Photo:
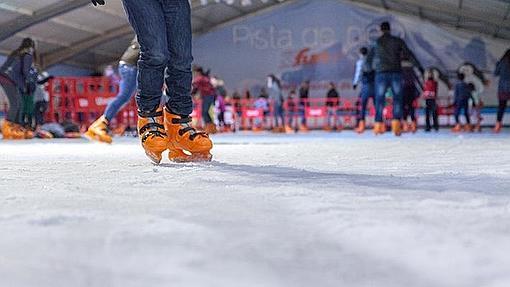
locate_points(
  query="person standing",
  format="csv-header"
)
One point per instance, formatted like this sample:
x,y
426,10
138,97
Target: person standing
x,y
304,97
332,103
14,79
163,28
274,88
202,85
366,76
462,94
430,95
503,71
411,87
99,129
388,55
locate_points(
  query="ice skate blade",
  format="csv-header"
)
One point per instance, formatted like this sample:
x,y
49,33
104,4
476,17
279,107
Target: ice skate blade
x,y
153,157
179,156
95,138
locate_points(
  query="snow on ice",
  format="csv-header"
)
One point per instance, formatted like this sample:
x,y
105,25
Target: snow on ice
x,y
308,210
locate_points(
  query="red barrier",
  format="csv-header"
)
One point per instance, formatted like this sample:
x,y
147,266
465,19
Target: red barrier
x,y
83,99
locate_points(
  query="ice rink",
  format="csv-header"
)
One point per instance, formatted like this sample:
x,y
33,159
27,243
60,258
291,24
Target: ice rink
x,y
305,210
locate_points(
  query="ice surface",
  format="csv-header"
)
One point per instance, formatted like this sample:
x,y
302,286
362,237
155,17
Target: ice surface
x,y
309,210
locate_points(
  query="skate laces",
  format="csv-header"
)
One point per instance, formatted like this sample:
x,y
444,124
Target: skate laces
x,y
185,123
152,128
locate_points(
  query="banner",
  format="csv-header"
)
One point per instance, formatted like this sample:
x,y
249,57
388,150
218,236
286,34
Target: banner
x,y
319,41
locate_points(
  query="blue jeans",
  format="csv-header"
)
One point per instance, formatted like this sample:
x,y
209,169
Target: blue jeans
x,y
367,92
278,113
459,106
126,90
163,28
383,81
207,103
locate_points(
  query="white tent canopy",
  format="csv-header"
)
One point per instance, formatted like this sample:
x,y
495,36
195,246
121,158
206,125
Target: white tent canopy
x,y
76,33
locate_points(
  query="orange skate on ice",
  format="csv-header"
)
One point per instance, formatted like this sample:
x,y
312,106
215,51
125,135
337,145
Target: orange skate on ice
x,y
184,143
98,131
152,133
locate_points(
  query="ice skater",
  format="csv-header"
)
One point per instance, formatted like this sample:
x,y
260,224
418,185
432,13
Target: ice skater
x,y
388,54
503,71
99,129
462,95
14,79
163,29
366,76
430,95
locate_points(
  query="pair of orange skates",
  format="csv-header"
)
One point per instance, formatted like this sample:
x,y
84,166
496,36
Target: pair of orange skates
x,y
163,131
12,131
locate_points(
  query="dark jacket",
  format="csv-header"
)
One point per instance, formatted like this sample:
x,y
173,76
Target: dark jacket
x,y
17,69
132,53
462,92
388,53
503,71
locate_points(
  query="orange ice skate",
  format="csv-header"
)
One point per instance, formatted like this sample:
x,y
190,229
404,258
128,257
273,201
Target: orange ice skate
x,y
12,131
184,143
152,133
361,127
396,127
497,128
98,131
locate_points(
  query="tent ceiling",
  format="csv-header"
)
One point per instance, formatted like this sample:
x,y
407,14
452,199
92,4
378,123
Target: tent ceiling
x,y
76,33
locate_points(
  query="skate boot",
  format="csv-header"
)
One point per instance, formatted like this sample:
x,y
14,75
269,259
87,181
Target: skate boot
x,y
361,127
12,131
379,128
414,127
98,131
184,143
468,128
497,128
406,127
457,128
152,133
396,127
210,128
289,129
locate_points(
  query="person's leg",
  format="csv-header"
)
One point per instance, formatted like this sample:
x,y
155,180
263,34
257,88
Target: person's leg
x,y
457,112
466,112
126,90
381,86
365,95
396,87
428,113
434,114
15,103
501,110
148,20
178,74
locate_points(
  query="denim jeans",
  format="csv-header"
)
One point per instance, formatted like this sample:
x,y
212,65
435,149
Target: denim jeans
x,y
383,81
126,90
501,110
462,105
431,110
367,92
163,28
278,114
207,104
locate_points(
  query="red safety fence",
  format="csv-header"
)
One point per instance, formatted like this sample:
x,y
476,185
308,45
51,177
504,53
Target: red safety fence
x,y
83,99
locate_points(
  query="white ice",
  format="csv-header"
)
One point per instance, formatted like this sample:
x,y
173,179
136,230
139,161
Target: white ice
x,y
309,210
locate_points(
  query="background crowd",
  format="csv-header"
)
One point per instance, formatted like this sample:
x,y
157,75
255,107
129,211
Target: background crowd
x,y
387,73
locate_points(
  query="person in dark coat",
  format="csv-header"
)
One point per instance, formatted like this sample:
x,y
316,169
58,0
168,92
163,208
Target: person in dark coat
x,y
503,71
14,79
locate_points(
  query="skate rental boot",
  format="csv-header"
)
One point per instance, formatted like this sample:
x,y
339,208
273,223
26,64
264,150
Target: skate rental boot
x,y
98,131
497,127
184,143
12,131
379,128
361,127
396,127
151,130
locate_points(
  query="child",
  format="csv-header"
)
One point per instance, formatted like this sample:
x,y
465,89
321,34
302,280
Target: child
x,y
261,104
332,101
462,96
430,96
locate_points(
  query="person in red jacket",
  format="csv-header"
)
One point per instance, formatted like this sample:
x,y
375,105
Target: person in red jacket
x,y
430,96
202,85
